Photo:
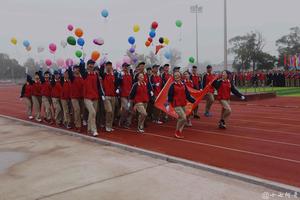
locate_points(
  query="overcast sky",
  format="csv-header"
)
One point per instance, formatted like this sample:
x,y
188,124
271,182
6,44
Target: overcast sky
x,y
44,21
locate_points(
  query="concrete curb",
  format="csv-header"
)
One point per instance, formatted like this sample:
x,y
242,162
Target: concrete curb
x,y
242,177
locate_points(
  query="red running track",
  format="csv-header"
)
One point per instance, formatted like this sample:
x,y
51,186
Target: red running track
x,y
262,139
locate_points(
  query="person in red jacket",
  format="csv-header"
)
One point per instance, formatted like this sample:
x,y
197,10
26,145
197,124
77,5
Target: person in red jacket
x,y
166,74
110,87
92,90
46,96
26,93
156,82
125,80
196,78
207,78
55,94
76,95
188,83
141,69
37,96
178,95
140,95
225,86
65,99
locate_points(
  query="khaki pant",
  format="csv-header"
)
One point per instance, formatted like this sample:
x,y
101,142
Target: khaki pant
x,y
182,119
209,101
126,116
109,106
141,109
226,109
46,101
92,107
28,103
36,101
57,110
77,110
66,111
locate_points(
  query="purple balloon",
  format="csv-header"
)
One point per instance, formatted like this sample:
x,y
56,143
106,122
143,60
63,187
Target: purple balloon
x,y
132,50
134,60
98,41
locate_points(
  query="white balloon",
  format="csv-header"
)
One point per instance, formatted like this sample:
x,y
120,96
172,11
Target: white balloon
x,y
40,49
63,43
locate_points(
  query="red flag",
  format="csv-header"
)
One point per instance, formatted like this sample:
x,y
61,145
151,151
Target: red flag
x,y
284,61
158,47
162,99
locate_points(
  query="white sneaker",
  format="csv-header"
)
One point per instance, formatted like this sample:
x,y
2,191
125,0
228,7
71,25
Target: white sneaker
x,y
84,123
141,131
39,120
95,134
30,117
158,122
109,130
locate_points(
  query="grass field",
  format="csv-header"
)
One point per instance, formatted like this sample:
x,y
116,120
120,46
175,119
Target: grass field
x,y
281,91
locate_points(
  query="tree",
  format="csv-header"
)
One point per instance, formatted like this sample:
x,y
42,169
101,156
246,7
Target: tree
x,y
246,49
10,68
289,44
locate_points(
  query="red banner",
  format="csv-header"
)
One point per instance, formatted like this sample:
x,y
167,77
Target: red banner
x,y
162,99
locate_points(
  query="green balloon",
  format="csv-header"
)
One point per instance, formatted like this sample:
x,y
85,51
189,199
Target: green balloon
x,y
78,53
71,40
178,23
192,60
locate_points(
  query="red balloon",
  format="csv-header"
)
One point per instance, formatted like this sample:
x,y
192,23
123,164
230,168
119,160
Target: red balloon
x,y
154,25
150,39
147,43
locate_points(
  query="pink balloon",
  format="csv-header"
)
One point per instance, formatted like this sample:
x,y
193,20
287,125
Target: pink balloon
x,y
52,47
127,60
70,27
118,65
48,62
69,62
60,62
98,41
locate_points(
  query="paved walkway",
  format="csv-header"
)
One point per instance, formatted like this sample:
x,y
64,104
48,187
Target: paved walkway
x,y
38,163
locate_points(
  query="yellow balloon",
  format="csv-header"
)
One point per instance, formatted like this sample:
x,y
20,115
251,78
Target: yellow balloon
x,y
136,28
13,41
166,41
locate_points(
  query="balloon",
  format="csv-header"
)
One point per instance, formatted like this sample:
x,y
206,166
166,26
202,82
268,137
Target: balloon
x,y
147,43
178,23
70,27
167,55
52,47
134,60
71,40
63,43
40,49
191,60
102,60
166,41
154,25
95,55
26,43
60,62
161,40
152,34
79,32
132,50
127,60
48,62
131,40
104,13
69,62
80,42
28,48
150,39
98,41
14,41
136,28
119,64
78,53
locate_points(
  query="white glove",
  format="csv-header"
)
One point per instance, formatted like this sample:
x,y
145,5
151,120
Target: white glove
x,y
118,91
152,94
122,73
157,84
128,105
103,98
168,108
243,98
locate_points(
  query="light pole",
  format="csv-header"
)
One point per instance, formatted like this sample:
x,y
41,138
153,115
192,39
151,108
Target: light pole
x,y
225,35
196,9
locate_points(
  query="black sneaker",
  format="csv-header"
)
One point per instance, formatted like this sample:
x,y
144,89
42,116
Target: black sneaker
x,y
222,124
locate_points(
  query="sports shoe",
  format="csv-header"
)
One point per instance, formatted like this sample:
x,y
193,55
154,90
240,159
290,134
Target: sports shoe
x,y
158,122
95,134
189,123
141,131
30,117
109,130
207,114
222,124
39,120
84,123
179,135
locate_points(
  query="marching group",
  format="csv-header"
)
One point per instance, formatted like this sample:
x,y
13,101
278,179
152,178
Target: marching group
x,y
92,96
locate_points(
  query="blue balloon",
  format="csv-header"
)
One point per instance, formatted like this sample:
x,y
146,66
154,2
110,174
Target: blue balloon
x,y
131,40
152,34
168,55
26,43
80,42
104,13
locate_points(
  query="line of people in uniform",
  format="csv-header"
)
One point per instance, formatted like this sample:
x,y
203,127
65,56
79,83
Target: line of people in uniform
x,y
92,96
